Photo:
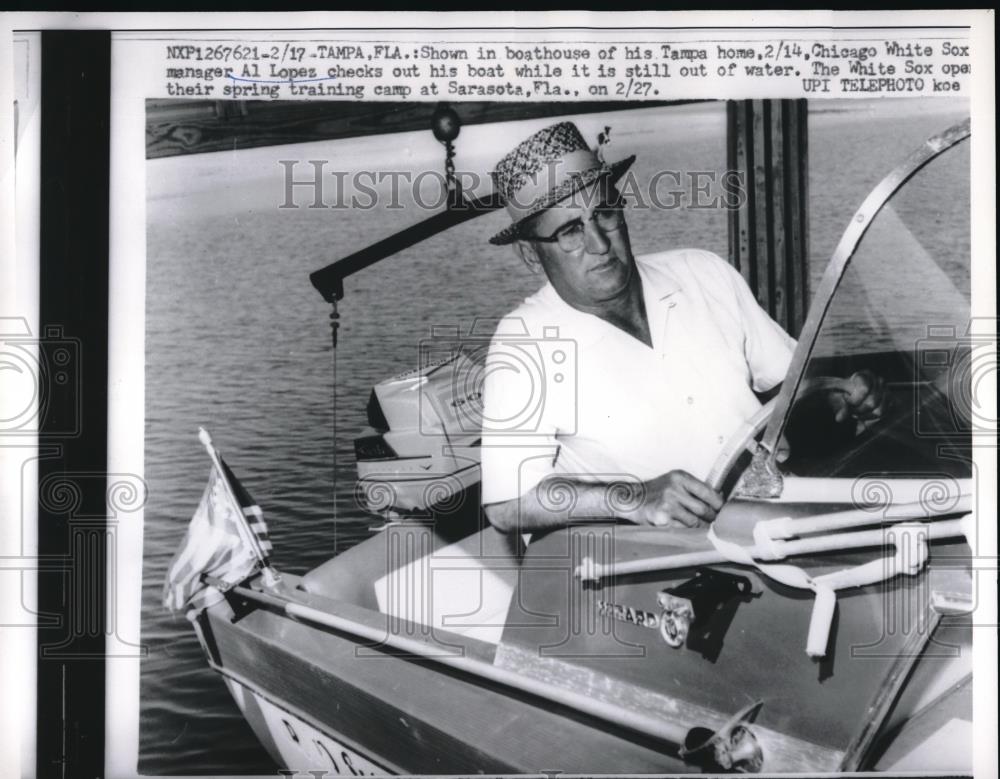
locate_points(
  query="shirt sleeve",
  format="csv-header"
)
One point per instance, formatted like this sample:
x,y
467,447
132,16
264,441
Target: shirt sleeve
x,y
519,446
767,347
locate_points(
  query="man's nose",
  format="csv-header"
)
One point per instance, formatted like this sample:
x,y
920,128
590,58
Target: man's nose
x,y
595,241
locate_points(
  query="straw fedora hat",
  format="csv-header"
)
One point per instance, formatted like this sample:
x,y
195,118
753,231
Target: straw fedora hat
x,y
548,167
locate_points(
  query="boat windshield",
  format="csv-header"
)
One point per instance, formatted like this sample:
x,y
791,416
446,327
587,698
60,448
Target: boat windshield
x,y
902,313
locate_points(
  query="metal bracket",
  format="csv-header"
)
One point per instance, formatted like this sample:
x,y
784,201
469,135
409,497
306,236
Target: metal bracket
x,y
220,584
761,479
698,612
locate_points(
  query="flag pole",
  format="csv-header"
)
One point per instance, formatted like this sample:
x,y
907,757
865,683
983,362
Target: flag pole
x,y
271,576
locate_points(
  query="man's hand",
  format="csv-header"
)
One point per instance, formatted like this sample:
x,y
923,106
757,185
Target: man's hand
x,y
676,499
864,401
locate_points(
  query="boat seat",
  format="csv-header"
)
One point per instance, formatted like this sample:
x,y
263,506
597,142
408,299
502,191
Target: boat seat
x,y
464,587
415,572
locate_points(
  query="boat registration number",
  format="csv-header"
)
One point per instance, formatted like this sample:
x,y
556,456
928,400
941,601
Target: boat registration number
x,y
306,750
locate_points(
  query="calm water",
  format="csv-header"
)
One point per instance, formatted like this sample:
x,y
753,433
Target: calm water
x,y
237,341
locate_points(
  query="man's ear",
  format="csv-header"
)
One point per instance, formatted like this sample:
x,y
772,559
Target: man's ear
x,y
529,255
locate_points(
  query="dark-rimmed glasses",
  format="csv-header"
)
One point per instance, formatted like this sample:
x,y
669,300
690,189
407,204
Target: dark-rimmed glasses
x,y
572,236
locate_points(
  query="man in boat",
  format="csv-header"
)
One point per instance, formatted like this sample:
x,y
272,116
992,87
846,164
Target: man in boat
x,y
642,366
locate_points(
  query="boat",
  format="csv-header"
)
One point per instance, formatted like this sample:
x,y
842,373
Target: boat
x,y
823,625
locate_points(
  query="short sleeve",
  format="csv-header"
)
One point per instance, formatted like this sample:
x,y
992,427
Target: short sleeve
x,y
767,347
519,446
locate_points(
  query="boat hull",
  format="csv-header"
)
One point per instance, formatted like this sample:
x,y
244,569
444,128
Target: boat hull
x,y
402,714
325,699
292,740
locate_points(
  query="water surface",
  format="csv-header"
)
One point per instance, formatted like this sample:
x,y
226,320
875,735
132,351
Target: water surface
x,y
237,339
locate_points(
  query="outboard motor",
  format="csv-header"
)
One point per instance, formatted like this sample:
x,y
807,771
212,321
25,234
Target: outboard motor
x,y
422,452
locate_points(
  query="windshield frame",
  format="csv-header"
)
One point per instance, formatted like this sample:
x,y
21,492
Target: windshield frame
x,y
768,479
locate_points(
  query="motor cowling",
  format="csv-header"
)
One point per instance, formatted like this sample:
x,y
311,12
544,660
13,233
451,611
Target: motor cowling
x,y
422,451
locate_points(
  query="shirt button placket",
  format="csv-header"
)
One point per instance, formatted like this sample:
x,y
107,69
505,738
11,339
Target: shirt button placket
x,y
665,330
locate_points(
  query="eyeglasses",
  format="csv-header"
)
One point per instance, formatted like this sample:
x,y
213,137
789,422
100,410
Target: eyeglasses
x,y
572,236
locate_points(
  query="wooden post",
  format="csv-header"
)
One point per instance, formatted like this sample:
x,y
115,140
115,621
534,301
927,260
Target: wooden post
x,y
767,144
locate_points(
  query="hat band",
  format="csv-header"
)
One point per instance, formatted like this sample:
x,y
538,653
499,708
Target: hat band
x,y
523,202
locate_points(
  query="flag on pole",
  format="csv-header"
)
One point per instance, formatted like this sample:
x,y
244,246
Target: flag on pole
x,y
227,539
250,510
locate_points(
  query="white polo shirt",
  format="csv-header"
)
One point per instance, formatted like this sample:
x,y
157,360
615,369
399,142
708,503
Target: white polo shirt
x,y
567,393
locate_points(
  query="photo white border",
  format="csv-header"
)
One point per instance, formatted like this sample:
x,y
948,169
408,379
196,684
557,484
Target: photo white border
x,y
19,301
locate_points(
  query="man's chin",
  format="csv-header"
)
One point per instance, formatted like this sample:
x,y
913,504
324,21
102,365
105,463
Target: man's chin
x,y
613,277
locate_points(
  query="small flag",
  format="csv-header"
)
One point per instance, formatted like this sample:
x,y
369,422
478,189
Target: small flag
x,y
250,510
217,544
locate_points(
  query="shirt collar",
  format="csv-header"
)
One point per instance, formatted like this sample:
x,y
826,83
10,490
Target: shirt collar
x,y
660,293
658,281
